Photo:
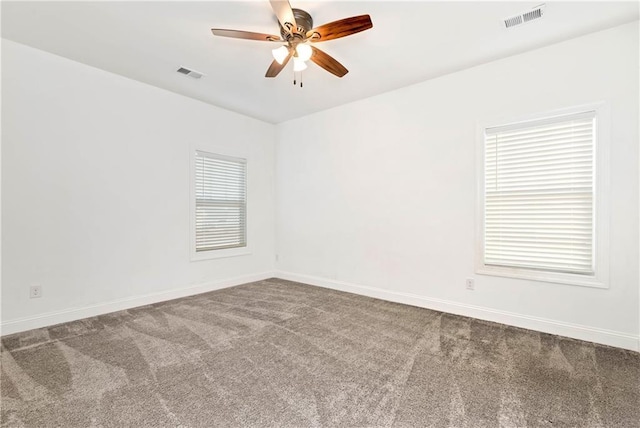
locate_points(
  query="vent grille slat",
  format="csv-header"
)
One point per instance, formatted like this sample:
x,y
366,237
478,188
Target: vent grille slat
x,y
532,15
515,20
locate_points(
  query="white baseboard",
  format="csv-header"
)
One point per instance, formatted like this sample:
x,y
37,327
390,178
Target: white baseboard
x,y
576,331
73,314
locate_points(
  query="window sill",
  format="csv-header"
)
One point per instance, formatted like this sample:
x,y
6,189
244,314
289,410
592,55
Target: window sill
x,y
552,277
220,254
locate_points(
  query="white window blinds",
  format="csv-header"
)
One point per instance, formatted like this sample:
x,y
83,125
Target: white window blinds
x,y
221,205
539,195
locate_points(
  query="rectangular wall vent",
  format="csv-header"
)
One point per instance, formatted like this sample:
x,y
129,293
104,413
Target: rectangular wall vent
x,y
522,18
190,73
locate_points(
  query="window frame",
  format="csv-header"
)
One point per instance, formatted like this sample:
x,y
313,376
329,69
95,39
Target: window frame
x,y
600,279
222,252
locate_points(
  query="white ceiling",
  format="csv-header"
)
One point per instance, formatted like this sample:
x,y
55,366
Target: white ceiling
x,y
410,42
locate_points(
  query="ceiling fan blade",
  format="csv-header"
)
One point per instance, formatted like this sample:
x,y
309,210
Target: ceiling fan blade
x,y
275,68
327,62
340,28
247,35
283,11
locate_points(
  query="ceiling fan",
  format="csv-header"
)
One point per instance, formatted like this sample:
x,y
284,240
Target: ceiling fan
x,y
299,36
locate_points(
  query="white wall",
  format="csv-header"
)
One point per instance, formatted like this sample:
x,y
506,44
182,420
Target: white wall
x,y
378,196
95,190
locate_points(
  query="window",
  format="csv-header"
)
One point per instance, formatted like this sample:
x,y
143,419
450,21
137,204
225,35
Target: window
x,y
539,200
220,202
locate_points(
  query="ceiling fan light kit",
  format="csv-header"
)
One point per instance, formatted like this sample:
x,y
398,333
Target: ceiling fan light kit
x,y
298,35
279,54
304,51
299,64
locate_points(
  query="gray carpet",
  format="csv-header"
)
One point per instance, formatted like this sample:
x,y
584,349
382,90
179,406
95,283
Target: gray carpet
x,y
278,353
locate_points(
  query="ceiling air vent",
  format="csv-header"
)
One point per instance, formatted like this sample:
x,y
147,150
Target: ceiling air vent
x,y
525,17
190,73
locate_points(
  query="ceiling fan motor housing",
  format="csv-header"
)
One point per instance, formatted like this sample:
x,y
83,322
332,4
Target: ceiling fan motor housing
x,y
304,23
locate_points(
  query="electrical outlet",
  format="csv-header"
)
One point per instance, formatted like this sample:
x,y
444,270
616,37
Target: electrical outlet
x,y
470,284
35,291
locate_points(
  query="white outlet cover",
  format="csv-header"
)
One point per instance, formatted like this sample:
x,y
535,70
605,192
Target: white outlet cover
x,y
35,291
470,284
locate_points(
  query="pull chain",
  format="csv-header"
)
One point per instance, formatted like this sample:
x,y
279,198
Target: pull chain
x,y
295,81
